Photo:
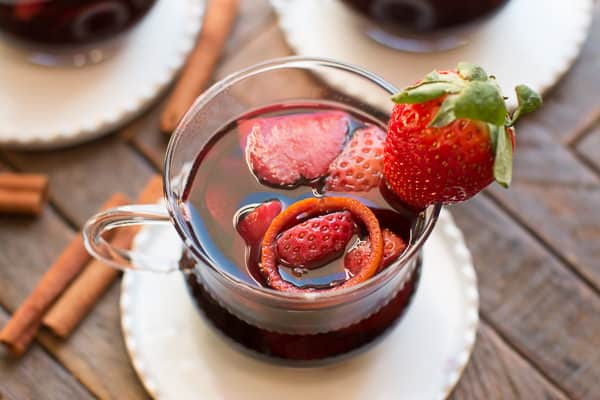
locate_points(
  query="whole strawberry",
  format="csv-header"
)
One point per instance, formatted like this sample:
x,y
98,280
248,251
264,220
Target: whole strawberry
x,y
450,136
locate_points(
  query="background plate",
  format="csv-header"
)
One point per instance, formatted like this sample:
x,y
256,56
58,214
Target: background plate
x,y
527,41
51,107
177,355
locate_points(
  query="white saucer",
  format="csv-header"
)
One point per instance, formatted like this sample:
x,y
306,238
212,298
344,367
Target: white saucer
x,y
44,107
178,356
527,41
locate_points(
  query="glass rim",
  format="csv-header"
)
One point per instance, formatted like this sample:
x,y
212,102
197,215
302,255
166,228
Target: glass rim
x,y
173,201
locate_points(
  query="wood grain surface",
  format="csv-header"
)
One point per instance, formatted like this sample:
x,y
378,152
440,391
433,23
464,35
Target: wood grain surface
x,y
589,148
36,376
536,247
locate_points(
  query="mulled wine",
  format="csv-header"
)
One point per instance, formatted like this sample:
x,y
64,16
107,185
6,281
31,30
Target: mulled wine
x,y
425,15
67,22
313,347
263,165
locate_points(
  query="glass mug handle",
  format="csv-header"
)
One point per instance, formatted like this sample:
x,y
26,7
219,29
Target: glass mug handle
x,y
124,217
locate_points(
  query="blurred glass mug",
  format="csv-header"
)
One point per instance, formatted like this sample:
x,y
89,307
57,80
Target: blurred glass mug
x,y
67,32
423,25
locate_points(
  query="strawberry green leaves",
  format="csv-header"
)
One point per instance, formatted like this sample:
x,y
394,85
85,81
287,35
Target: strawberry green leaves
x,y
471,72
432,86
472,94
478,100
503,154
445,114
425,91
481,101
528,101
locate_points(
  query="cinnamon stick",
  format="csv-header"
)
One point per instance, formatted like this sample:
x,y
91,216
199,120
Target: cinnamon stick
x,y
22,327
23,182
22,203
152,192
72,307
217,23
22,193
74,304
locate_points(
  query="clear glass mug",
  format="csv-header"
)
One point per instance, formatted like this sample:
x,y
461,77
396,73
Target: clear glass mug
x,y
289,313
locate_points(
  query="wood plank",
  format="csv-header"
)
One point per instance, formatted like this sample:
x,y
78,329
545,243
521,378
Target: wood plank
x,y
541,160
555,195
496,372
253,16
574,103
267,44
536,303
589,147
144,133
565,217
36,376
95,354
83,177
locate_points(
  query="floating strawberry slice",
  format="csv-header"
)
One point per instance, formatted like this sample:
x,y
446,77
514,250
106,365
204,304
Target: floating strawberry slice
x,y
253,225
360,165
284,150
357,258
316,240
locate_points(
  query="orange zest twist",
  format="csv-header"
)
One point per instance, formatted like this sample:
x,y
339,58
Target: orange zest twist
x,y
317,206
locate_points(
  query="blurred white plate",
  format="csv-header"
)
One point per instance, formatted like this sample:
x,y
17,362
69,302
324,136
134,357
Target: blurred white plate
x,y
177,355
52,107
527,41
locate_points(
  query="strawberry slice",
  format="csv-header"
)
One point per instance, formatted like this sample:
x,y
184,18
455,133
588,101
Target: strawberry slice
x,y
285,150
253,225
360,165
316,240
393,246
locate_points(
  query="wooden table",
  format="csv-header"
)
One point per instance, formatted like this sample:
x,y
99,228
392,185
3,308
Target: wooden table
x,y
536,247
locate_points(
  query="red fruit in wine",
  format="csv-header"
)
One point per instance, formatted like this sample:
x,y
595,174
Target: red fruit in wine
x,y
253,225
285,150
360,165
357,258
316,240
